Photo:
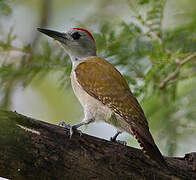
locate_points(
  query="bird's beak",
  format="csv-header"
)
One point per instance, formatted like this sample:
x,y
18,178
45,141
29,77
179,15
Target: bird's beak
x,y
53,34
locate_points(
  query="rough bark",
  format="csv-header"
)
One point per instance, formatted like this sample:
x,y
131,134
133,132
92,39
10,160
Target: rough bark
x,y
32,149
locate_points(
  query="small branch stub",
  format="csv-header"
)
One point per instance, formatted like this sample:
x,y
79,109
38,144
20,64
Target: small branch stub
x,y
177,71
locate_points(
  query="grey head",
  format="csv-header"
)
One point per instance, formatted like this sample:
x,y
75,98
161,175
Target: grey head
x,y
78,42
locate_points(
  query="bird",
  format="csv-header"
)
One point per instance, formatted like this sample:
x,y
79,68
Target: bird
x,y
103,92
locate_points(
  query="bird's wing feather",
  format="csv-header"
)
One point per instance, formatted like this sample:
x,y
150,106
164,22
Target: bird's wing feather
x,y
104,82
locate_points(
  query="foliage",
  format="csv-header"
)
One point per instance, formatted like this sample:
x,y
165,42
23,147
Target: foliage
x,y
152,59
5,9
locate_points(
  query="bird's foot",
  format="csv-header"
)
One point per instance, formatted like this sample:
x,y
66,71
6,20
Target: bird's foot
x,y
72,129
113,139
121,142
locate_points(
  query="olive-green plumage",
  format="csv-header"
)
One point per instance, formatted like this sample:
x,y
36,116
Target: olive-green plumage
x,y
104,82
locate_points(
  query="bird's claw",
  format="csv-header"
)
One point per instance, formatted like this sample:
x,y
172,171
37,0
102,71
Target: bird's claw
x,y
72,129
113,139
62,123
121,142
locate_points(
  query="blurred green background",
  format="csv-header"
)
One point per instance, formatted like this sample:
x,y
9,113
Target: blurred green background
x,y
152,43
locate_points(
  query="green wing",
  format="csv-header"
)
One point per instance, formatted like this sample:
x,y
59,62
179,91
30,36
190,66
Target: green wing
x,y
103,81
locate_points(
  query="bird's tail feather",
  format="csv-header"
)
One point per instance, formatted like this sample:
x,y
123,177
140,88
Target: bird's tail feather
x,y
148,146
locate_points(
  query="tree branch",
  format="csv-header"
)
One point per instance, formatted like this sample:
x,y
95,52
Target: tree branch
x,y
32,149
176,72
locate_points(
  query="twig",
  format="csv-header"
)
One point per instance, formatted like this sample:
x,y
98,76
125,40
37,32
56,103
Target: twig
x,y
168,78
176,72
46,9
144,24
14,48
189,58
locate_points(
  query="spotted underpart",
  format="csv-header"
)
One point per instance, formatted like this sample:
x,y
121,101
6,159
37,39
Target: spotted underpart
x,y
105,83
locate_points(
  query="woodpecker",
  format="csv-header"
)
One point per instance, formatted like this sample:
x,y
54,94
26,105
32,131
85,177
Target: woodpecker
x,y
103,92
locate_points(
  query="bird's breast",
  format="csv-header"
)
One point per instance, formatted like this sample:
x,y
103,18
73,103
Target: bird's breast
x,y
94,108
91,105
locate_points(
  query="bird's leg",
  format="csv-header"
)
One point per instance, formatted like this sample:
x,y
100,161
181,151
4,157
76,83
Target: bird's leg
x,y
113,139
72,128
75,127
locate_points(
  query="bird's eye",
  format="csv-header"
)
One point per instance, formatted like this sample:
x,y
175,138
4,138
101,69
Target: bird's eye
x,y
76,35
